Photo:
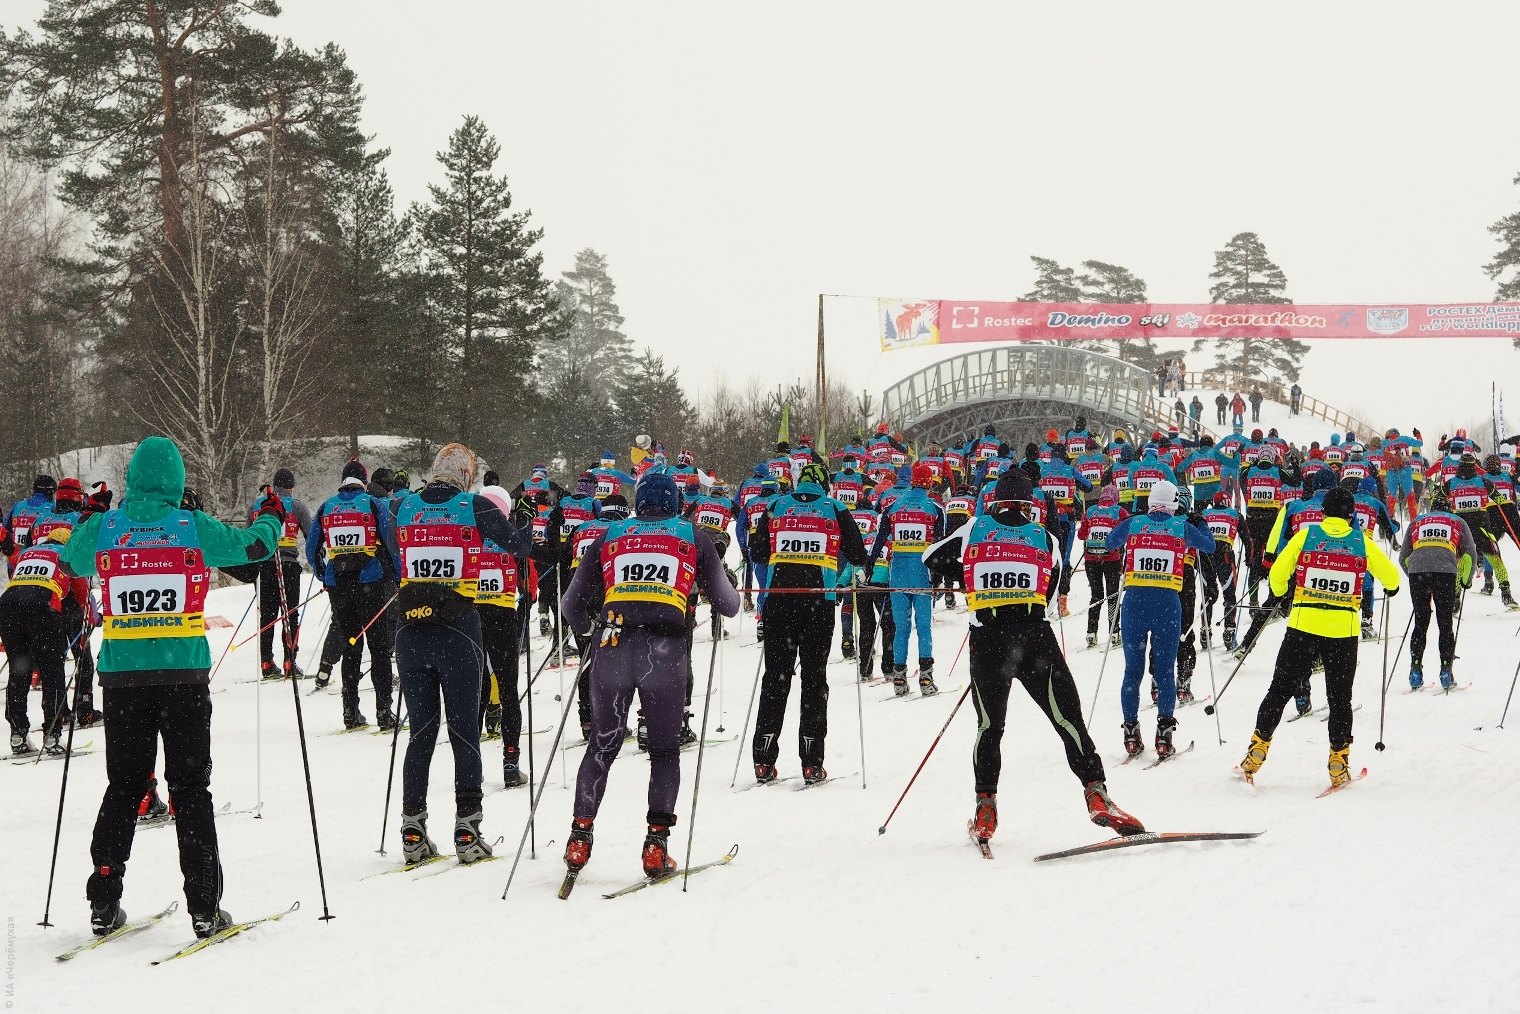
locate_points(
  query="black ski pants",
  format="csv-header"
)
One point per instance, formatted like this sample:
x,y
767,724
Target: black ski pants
x,y
798,629
353,606
34,638
1296,658
136,717
269,608
1439,591
500,628
1026,651
873,610
1103,578
441,662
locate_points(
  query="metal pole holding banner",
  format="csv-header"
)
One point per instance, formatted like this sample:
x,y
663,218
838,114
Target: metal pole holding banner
x,y
821,442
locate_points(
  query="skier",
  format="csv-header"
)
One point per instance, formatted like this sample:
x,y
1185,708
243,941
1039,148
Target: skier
x,y
1008,564
870,600
65,513
497,598
1470,494
155,561
346,547
1103,567
1219,570
1155,545
609,479
20,518
1437,555
803,540
614,509
37,631
1324,566
643,570
909,525
1146,473
285,566
439,533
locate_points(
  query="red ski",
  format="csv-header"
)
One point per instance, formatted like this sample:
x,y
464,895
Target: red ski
x,y
984,846
1336,788
1150,838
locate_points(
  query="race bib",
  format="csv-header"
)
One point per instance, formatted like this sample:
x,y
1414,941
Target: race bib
x,y
433,563
647,568
1464,502
345,539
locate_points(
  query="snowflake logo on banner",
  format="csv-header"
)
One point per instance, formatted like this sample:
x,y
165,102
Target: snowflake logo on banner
x,y
1188,320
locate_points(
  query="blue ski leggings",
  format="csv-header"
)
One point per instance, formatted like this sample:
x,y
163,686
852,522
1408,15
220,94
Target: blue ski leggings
x,y
441,660
917,607
1153,613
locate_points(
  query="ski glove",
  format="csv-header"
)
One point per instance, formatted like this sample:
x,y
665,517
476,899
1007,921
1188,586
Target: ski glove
x,y
272,505
100,500
1390,592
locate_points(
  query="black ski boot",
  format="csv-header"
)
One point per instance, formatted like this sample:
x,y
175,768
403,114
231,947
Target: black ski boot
x,y
106,917
353,718
643,733
687,735
658,863
511,774
493,719
1164,729
847,646
209,925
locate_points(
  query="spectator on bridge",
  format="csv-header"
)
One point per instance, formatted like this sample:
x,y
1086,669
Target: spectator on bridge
x,y
1195,412
1221,402
1174,376
1180,408
1237,411
1295,398
1161,379
1255,403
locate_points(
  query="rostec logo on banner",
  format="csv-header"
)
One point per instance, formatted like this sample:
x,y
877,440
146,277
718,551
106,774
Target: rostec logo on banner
x,y
963,316
1387,320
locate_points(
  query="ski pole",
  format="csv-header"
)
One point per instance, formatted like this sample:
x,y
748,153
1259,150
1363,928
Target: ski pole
x,y
696,782
860,710
1511,695
1108,645
1218,729
285,613
747,712
542,785
248,609
1456,634
964,695
63,788
1388,679
1212,706
522,629
311,800
378,613
559,644
390,778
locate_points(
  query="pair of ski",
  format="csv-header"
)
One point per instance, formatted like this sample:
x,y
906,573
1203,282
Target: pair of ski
x,y
38,756
1160,759
1122,842
225,810
568,884
1324,711
134,928
442,857
1251,781
1439,690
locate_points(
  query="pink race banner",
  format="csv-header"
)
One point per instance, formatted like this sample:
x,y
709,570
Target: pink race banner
x,y
907,323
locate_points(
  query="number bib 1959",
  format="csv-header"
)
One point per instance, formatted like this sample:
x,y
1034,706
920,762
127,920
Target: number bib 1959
x,y
1329,579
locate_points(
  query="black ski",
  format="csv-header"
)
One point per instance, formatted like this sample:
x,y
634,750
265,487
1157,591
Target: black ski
x,y
1149,838
677,875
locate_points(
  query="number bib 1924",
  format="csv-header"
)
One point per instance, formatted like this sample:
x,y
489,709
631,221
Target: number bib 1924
x,y
652,567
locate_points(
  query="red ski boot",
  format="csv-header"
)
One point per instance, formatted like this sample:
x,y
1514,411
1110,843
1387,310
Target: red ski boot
x,y
657,861
984,824
1102,811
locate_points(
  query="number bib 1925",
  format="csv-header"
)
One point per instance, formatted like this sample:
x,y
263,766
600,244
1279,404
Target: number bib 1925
x,y
441,553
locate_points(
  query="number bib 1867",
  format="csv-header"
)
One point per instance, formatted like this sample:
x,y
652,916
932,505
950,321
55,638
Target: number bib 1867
x,y
1153,561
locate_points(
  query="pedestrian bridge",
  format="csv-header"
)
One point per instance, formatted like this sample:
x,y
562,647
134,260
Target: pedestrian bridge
x,y
1024,390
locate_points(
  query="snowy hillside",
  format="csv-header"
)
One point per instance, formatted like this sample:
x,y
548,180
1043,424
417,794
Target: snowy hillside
x,y
1393,895
1300,429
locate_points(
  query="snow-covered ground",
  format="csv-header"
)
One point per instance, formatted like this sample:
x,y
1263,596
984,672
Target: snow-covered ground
x,y
1394,895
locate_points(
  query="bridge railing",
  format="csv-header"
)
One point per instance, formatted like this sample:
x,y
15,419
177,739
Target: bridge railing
x,y
1216,380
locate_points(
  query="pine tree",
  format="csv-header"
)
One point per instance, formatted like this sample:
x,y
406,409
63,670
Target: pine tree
x,y
650,400
595,342
1110,283
1244,274
1053,283
488,293
1505,267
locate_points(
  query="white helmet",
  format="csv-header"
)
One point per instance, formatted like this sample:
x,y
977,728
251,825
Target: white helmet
x,y
1164,497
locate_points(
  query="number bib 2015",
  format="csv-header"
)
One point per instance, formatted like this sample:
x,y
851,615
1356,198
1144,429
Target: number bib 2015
x,y
806,539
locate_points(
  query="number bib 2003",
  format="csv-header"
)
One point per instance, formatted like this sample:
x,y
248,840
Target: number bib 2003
x,y
649,566
153,577
1007,572
1153,560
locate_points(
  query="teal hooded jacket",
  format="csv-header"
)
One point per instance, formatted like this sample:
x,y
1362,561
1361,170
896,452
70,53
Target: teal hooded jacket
x,y
155,487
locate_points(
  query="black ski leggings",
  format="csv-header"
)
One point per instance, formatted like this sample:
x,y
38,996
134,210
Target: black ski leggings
x,y
34,639
441,660
353,606
1103,586
1219,576
875,610
269,608
1027,652
1291,674
135,719
798,629
500,629
1441,591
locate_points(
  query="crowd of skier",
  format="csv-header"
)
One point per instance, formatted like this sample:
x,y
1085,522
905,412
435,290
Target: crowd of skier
x,y
438,584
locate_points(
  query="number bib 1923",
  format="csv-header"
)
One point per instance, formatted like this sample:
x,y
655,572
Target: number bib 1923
x,y
153,592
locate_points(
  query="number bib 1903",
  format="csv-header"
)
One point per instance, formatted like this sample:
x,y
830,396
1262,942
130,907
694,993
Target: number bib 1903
x,y
1006,574
1153,560
1329,579
649,567
157,591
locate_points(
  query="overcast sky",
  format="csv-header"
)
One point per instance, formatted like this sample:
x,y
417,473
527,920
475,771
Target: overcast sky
x,y
734,160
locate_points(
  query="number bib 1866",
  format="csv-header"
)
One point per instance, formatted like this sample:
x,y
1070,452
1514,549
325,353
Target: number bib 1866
x,y
1006,574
